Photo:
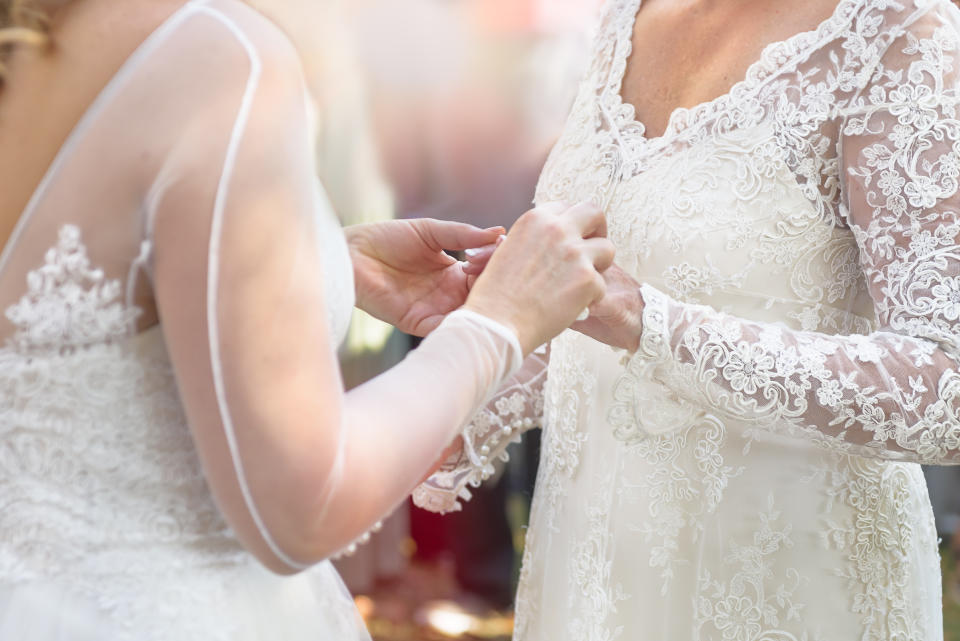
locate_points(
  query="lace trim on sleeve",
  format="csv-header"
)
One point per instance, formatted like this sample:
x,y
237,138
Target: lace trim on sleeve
x,y
515,409
893,393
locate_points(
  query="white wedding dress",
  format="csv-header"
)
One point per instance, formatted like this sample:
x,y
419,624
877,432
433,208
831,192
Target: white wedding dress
x,y
188,193
749,474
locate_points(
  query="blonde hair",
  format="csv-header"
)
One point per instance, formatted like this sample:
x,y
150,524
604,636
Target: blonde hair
x,y
22,23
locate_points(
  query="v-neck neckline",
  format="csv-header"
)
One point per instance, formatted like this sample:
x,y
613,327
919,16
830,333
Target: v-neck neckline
x,y
774,58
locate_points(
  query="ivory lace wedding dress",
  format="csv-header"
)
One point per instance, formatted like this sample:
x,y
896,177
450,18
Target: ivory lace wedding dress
x,y
188,192
750,472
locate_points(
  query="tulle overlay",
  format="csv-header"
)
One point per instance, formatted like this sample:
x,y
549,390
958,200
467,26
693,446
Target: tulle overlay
x,y
174,295
108,527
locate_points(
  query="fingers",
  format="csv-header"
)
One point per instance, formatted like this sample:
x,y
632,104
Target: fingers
x,y
480,254
588,219
599,288
600,251
478,257
445,234
475,268
471,269
428,325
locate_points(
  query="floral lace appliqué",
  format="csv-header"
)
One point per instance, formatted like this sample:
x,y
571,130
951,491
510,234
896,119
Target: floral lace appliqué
x,y
69,303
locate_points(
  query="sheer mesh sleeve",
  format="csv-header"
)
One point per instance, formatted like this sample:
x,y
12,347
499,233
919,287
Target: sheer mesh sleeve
x,y
245,267
892,394
516,408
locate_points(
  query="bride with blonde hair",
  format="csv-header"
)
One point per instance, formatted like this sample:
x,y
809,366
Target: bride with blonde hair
x,y
178,455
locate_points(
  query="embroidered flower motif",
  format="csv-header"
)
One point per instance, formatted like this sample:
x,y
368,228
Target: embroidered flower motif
x,y
103,491
737,618
902,136
68,303
923,243
749,368
683,279
914,104
950,165
829,394
897,204
923,191
947,293
891,182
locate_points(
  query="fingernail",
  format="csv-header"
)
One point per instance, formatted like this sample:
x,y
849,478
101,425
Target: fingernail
x,y
472,253
495,228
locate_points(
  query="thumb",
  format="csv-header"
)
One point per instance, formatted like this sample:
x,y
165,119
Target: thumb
x,y
445,234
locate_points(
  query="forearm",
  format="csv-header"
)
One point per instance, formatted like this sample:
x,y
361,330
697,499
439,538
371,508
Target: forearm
x,y
397,425
883,395
516,408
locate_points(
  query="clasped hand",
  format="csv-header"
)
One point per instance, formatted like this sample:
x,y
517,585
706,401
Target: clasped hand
x,y
617,318
404,277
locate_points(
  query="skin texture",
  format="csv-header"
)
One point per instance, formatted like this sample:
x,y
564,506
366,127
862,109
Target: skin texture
x,y
686,52
47,91
403,276
616,319
570,248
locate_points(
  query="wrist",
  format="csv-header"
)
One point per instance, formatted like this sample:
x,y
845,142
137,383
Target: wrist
x,y
515,352
635,326
357,248
498,315
359,290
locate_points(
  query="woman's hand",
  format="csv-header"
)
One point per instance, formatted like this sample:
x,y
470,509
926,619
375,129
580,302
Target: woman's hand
x,y
546,272
617,318
403,276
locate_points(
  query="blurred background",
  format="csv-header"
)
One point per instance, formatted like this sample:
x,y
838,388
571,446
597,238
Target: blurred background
x,y
447,109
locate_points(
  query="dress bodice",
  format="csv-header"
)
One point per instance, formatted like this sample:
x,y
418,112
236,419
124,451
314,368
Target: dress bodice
x,y
737,205
99,463
103,491
108,528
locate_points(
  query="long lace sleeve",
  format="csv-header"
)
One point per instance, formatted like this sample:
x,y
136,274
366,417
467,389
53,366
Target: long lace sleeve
x,y
894,393
248,264
517,407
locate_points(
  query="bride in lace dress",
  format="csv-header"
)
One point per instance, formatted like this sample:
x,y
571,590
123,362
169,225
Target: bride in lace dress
x,y
739,461
175,285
